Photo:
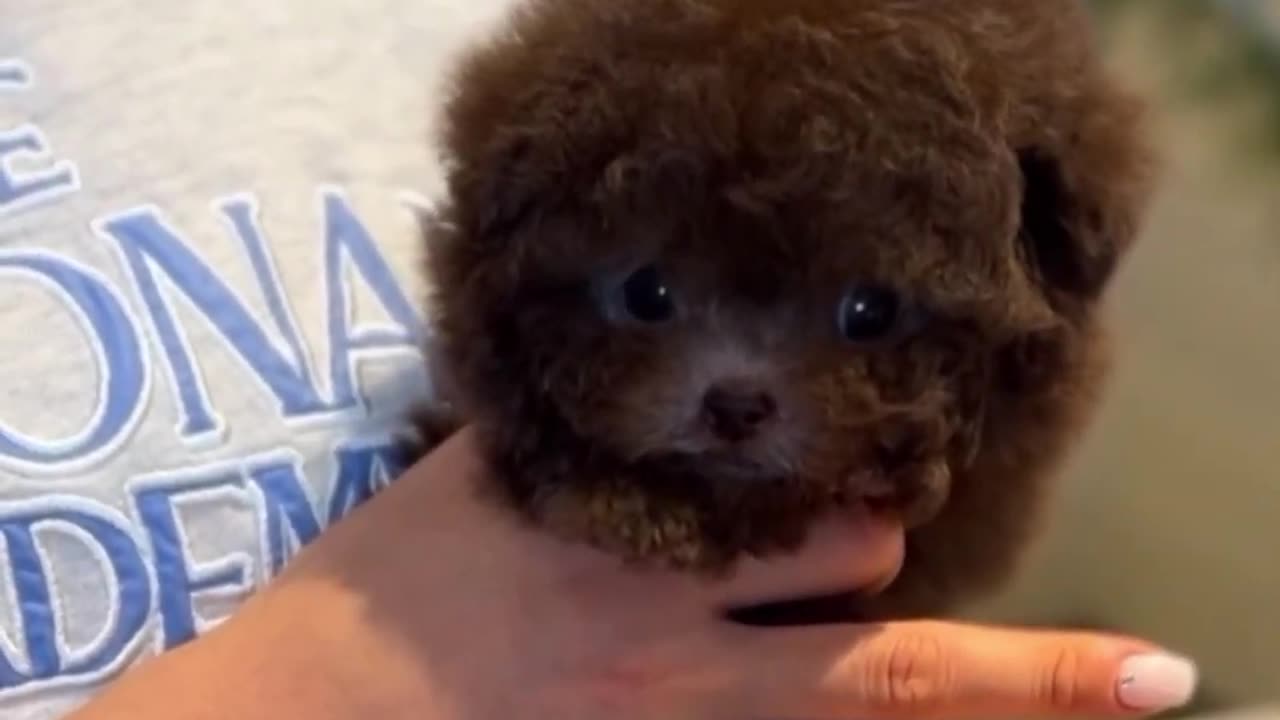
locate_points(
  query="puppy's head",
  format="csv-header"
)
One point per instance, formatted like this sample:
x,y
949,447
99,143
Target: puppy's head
x,y
850,247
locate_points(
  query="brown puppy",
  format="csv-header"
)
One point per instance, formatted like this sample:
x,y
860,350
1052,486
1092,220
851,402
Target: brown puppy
x,y
709,269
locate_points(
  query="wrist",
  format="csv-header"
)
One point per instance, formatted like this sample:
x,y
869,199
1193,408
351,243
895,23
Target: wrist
x,y
312,646
296,651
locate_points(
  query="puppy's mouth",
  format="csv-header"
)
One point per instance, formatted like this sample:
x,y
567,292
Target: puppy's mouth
x,y
914,494
738,466
744,464
762,458
912,489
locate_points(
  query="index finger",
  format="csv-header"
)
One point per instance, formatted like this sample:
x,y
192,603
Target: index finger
x,y
1004,671
856,552
929,669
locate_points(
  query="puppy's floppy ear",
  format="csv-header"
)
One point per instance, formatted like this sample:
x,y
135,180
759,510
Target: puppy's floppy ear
x,y
1084,194
502,194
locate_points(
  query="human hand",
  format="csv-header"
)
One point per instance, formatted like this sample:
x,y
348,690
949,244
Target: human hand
x,y
429,603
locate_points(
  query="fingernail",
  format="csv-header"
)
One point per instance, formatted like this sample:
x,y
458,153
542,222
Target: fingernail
x,y
1157,682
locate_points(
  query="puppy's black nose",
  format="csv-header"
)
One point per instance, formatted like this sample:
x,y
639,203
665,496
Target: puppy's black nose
x,y
736,411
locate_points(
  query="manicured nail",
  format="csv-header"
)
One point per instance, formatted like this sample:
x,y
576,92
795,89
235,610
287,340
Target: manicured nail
x,y
1157,682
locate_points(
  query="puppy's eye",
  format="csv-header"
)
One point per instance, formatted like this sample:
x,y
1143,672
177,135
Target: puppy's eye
x,y
869,313
647,297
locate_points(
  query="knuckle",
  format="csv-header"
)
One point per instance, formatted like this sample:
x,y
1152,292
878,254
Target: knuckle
x,y
613,686
1058,686
911,673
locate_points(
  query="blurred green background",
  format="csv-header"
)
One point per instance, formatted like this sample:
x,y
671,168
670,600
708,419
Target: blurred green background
x,y
1169,524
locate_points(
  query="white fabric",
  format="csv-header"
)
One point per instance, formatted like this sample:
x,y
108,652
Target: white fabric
x,y
209,304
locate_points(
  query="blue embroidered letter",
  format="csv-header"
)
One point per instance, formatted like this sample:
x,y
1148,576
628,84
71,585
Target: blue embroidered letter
x,y
121,365
290,517
178,581
21,527
148,242
19,190
346,237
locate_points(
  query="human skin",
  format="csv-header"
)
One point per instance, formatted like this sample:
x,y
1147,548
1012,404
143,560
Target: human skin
x,y
429,603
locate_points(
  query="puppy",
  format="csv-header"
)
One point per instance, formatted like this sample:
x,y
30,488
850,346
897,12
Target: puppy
x,y
709,270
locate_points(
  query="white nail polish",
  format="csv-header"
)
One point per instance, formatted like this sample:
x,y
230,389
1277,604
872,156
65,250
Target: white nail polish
x,y
1157,682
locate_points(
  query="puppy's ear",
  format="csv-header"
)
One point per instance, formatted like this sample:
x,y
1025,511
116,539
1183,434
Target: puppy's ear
x,y
503,194
1083,201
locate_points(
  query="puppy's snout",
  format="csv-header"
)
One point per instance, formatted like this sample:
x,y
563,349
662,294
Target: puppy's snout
x,y
737,410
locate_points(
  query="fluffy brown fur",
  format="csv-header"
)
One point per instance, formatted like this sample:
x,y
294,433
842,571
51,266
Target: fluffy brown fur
x,y
708,269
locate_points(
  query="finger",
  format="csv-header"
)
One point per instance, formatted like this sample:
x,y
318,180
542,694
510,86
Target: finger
x,y
940,670
850,553
1055,672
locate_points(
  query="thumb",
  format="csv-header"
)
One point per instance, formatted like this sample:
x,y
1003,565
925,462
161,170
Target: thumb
x,y
942,670
850,553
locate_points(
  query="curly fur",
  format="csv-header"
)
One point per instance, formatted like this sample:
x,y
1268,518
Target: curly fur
x,y
971,154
